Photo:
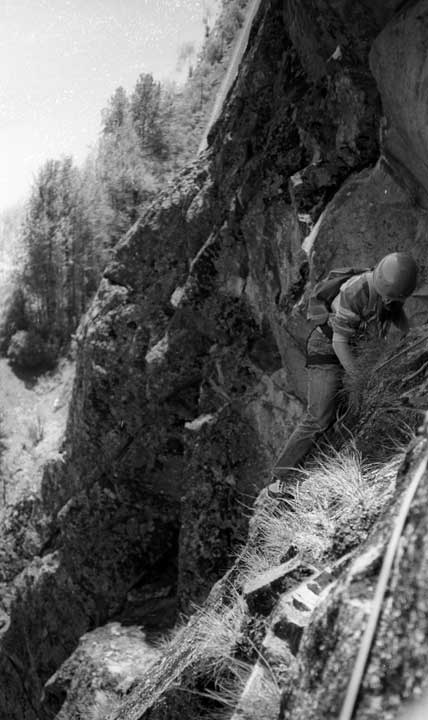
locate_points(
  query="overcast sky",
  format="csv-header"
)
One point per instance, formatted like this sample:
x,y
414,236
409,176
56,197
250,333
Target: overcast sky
x,y
61,60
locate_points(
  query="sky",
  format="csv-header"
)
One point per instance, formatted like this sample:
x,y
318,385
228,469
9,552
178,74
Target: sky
x,y
61,61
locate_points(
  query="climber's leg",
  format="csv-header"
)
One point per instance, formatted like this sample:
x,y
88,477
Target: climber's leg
x,y
323,386
324,383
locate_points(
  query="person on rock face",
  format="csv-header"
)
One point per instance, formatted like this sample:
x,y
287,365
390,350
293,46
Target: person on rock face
x,y
370,300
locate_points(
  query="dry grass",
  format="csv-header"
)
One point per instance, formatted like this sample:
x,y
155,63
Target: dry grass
x,y
232,694
217,633
381,397
336,490
200,656
342,485
172,637
372,352
211,635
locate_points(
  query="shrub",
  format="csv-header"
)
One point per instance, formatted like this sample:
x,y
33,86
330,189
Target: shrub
x,y
14,317
214,51
28,351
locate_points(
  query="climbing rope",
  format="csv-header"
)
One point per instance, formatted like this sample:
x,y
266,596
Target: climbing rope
x,y
367,639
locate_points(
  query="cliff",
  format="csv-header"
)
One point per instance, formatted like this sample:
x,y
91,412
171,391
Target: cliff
x,y
190,375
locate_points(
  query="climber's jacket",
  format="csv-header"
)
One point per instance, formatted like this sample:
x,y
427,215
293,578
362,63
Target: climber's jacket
x,y
356,311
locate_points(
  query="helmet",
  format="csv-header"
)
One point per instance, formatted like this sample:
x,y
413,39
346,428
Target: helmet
x,y
394,277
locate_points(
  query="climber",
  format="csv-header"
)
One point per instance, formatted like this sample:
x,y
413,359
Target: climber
x,y
366,302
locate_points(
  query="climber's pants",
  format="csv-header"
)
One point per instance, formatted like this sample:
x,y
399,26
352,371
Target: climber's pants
x,y
324,383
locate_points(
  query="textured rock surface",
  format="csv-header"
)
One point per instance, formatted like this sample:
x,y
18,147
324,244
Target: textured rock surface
x,y
314,630
189,371
398,60
104,665
399,658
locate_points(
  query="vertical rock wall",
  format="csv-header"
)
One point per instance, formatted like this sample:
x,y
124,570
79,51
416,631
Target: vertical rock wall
x,y
165,345
398,62
190,366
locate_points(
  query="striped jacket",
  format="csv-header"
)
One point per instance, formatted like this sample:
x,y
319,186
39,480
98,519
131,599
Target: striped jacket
x,y
358,305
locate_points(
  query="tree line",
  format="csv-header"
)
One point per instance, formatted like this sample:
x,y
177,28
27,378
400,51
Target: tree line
x,y
75,215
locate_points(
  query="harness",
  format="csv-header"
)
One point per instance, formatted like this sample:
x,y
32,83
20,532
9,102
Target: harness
x,y
327,358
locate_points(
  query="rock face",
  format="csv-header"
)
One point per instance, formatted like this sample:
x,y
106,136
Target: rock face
x,y
190,362
398,64
112,657
398,661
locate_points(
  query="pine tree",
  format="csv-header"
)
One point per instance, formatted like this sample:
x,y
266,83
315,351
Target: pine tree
x,y
57,235
114,116
150,115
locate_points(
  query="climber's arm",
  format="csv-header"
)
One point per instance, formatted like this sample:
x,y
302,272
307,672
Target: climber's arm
x,y
344,353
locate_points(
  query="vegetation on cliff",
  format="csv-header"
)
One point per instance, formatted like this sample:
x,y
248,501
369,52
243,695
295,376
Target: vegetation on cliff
x,y
75,216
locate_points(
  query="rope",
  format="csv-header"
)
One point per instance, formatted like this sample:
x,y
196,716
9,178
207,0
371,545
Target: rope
x,y
367,640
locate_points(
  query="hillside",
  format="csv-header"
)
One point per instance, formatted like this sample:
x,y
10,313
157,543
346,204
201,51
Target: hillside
x,y
33,419
190,374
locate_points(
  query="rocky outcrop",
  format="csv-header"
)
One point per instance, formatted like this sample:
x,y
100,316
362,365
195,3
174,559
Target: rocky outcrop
x,y
107,661
189,371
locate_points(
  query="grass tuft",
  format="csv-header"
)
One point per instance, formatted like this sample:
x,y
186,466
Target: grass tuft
x,y
217,633
385,394
337,490
210,636
230,695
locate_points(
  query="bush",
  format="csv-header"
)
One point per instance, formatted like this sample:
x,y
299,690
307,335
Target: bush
x,y
28,351
13,317
214,51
